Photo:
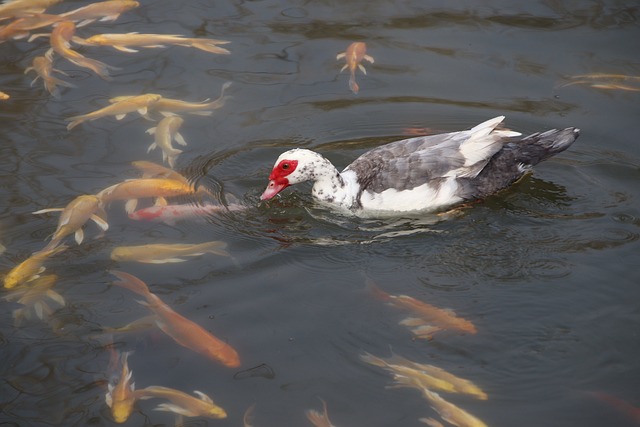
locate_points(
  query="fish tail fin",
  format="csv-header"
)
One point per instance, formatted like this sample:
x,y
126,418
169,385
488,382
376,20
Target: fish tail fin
x,y
353,85
210,46
373,360
131,282
74,121
375,290
219,102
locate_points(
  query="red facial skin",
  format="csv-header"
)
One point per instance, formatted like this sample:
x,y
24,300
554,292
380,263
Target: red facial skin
x,y
278,179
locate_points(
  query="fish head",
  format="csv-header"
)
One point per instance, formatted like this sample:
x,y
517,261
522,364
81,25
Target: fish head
x,y
217,412
121,410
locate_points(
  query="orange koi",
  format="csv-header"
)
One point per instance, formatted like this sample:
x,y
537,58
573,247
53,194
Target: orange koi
x,y
43,66
182,330
123,42
134,189
122,397
354,55
182,403
103,11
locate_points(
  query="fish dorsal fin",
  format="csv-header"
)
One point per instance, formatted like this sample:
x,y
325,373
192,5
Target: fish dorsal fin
x,y
203,396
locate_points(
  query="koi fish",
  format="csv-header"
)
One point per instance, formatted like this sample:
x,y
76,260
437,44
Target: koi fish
x,y
182,330
4,96
319,419
165,133
21,27
183,403
73,217
169,214
154,170
624,407
36,298
13,8
139,103
123,42
30,268
450,412
103,11
606,81
429,376
122,397
247,419
59,39
163,253
43,66
430,319
431,422
168,106
354,55
134,189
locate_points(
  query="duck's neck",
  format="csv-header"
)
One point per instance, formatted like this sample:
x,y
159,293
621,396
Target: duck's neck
x,y
329,185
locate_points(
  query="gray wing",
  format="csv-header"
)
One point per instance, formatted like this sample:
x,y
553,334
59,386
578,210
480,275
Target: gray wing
x,y
412,162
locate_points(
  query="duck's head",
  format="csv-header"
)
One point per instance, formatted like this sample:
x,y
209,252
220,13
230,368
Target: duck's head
x,y
292,167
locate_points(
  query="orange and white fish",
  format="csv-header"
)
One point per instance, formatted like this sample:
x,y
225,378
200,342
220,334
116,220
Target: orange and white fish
x,y
122,397
164,134
183,403
73,217
43,66
169,214
123,42
319,419
354,55
35,298
182,330
429,319
103,11
133,189
168,106
30,268
159,253
14,8
139,103
59,39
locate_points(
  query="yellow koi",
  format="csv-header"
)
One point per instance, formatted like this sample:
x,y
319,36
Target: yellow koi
x,y
4,96
319,419
122,397
182,330
21,27
163,253
353,56
36,298
43,66
450,412
59,39
13,8
430,319
168,106
154,170
123,42
74,216
102,11
165,133
134,189
119,109
30,268
183,403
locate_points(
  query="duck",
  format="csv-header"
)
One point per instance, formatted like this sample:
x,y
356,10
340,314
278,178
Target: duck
x,y
421,174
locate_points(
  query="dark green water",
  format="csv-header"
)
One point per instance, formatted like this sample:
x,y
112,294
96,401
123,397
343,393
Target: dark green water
x,y
547,271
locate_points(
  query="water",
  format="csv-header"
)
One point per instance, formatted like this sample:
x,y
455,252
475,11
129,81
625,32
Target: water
x,y
546,270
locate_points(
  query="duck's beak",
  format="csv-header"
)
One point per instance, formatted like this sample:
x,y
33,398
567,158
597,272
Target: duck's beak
x,y
273,188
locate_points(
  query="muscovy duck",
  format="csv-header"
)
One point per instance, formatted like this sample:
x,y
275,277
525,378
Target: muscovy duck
x,y
427,173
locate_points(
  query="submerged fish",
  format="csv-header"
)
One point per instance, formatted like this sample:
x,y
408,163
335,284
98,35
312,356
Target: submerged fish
x,y
13,8
182,403
30,268
163,253
134,189
73,217
124,42
430,319
43,66
319,419
154,170
165,133
183,331
59,39
450,412
36,298
353,56
122,397
168,106
21,27
169,214
102,11
119,109
4,96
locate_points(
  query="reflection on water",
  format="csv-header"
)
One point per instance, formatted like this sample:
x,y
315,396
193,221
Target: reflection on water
x,y
545,270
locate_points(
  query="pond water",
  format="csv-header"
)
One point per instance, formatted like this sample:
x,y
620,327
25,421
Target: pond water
x,y
547,270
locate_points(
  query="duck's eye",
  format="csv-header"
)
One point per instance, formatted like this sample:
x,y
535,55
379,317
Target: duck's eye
x,y
285,166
